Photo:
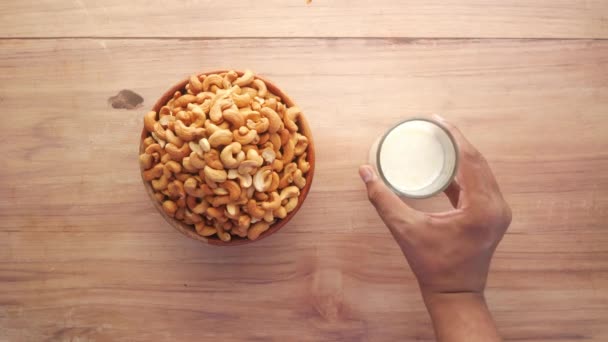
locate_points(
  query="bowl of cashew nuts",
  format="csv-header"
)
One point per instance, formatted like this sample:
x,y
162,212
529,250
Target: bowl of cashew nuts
x,y
226,157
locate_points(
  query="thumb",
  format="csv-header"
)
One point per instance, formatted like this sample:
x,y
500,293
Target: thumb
x,y
397,215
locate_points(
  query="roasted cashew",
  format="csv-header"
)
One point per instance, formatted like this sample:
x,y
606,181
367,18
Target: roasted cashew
x,y
301,144
291,117
149,121
257,229
148,141
274,185
303,164
246,79
298,179
176,153
173,139
187,165
290,192
263,138
159,196
192,189
292,203
277,165
263,179
285,136
164,159
269,155
196,148
254,210
234,190
260,126
195,84
182,177
248,167
160,131
170,208
184,117
245,136
218,108
145,161
187,133
197,162
220,137
217,176
213,79
274,202
204,230
232,155
249,91
234,117
270,103
218,201
241,100
192,217
288,151
160,141
217,213
269,216
183,100
222,234
260,196
244,179
160,184
220,191
153,173
195,206
260,86
154,148
171,167
280,213
275,139
212,158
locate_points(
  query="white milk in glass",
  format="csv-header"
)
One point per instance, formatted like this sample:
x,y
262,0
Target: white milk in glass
x,y
417,158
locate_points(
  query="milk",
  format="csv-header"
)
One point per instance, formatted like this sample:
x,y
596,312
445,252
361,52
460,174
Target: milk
x,y
416,158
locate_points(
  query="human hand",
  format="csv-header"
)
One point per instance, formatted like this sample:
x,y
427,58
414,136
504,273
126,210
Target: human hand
x,y
449,252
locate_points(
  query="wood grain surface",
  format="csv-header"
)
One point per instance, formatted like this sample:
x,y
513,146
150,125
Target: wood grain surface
x,y
85,257
293,18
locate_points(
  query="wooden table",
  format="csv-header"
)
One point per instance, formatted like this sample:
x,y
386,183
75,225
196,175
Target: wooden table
x,y
85,257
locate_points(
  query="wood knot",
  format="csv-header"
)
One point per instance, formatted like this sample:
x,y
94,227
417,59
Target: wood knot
x,y
126,99
327,294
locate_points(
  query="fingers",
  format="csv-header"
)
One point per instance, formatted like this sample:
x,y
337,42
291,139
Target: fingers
x,y
397,215
474,173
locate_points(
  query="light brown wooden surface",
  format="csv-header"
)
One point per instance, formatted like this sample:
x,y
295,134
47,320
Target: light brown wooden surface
x,y
293,18
84,256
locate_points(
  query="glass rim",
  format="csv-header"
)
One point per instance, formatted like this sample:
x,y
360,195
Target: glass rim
x,y
454,170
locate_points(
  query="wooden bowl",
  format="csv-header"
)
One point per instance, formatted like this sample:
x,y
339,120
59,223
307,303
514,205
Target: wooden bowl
x,y
214,240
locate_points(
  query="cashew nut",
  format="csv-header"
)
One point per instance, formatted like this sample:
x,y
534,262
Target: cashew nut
x,y
246,79
254,210
218,201
210,80
262,179
301,144
244,179
245,136
288,151
170,208
303,164
187,133
291,117
161,183
184,117
153,173
232,155
176,153
290,192
192,189
257,229
216,113
274,202
212,158
269,155
204,230
280,213
260,125
220,137
217,176
173,139
149,121
234,117
298,179
145,161
234,190
195,206
274,184
183,100
171,168
260,86
292,203
196,161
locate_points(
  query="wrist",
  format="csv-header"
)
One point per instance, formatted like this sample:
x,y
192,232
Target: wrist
x,y
437,299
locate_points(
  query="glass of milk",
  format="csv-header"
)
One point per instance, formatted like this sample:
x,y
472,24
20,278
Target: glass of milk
x,y
417,158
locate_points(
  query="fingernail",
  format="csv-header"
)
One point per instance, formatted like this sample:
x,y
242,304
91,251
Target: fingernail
x,y
366,173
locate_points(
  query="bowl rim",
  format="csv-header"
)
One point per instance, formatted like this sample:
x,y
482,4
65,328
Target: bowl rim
x,y
187,230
